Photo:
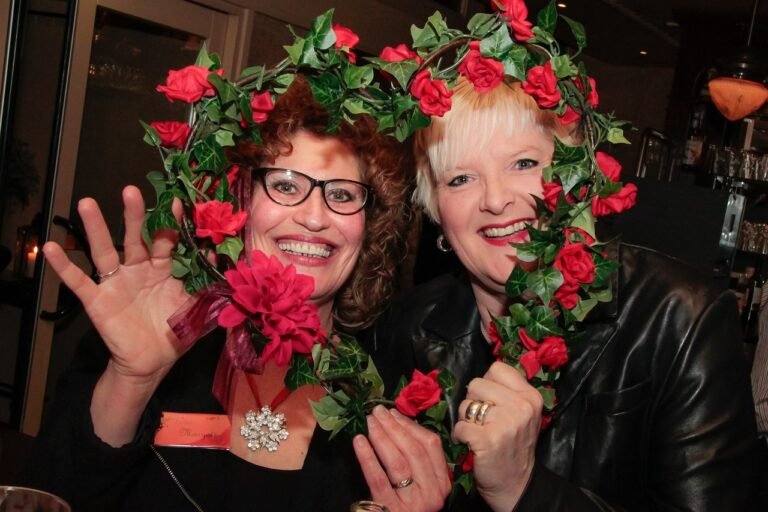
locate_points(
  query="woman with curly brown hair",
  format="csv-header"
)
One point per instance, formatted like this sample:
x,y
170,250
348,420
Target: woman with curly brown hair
x,y
333,206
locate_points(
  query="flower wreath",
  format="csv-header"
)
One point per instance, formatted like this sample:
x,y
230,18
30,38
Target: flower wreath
x,y
548,302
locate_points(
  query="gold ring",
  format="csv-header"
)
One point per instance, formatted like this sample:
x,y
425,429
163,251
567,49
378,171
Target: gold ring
x,y
480,418
472,409
104,275
403,483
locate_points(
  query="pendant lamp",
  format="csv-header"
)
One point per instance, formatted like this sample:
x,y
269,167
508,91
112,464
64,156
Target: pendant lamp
x,y
740,89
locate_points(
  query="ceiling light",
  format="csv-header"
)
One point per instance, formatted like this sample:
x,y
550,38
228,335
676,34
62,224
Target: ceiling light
x,y
739,88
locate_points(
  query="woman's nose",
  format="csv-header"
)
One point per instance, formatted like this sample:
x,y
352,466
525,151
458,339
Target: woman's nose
x,y
313,213
498,192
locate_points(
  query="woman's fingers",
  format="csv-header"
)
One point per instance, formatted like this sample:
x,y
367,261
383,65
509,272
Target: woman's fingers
x,y
103,251
432,445
135,250
165,240
71,275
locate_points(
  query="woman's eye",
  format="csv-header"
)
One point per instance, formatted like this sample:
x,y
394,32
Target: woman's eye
x,y
459,180
284,187
339,195
526,163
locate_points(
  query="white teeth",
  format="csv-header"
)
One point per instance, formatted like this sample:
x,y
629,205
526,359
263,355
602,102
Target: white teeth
x,y
305,249
505,231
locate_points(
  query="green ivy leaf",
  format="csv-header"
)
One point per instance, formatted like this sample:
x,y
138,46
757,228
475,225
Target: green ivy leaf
x,y
497,44
517,282
582,308
616,136
401,71
300,373
515,62
563,67
356,77
542,323
232,246
151,136
321,34
480,23
547,19
545,282
578,32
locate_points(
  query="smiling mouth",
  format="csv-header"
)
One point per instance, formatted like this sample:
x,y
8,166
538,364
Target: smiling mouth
x,y
501,232
306,249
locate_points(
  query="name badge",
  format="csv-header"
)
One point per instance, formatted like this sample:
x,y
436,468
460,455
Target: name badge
x,y
193,429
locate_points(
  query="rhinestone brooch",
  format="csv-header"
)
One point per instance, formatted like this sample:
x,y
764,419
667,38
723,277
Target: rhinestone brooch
x,y
264,429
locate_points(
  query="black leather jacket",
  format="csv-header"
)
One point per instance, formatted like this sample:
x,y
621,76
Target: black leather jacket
x,y
654,407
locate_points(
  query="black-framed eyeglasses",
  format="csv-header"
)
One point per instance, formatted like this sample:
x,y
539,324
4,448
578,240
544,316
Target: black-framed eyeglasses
x,y
287,187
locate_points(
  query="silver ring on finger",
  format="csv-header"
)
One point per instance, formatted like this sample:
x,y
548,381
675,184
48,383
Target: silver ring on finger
x,y
472,409
101,276
402,484
483,412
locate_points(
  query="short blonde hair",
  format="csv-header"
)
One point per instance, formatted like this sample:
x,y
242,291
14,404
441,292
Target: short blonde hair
x,y
473,119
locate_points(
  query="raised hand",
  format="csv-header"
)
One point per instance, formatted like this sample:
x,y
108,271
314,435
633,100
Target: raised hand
x,y
504,439
410,473
129,307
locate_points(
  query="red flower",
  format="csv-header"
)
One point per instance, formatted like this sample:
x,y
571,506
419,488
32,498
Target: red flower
x,y
541,83
576,263
551,193
345,41
398,53
610,167
496,341
188,84
484,73
434,97
261,105
618,202
274,297
420,394
569,116
215,220
516,14
552,352
568,295
173,134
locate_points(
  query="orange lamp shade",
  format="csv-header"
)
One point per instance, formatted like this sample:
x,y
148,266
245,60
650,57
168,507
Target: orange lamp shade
x,y
736,98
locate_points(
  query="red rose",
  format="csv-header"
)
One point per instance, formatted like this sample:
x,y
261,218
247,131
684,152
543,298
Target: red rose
x,y
261,105
420,394
173,134
569,116
541,83
345,41
215,220
484,73
274,297
576,263
552,352
496,341
516,14
610,167
434,97
526,340
188,84
568,295
618,202
398,53
530,363
551,193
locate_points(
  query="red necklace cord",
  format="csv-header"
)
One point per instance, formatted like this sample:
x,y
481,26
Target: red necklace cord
x,y
281,396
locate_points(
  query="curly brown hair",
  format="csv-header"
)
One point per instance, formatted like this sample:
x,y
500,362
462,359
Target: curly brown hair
x,y
385,167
